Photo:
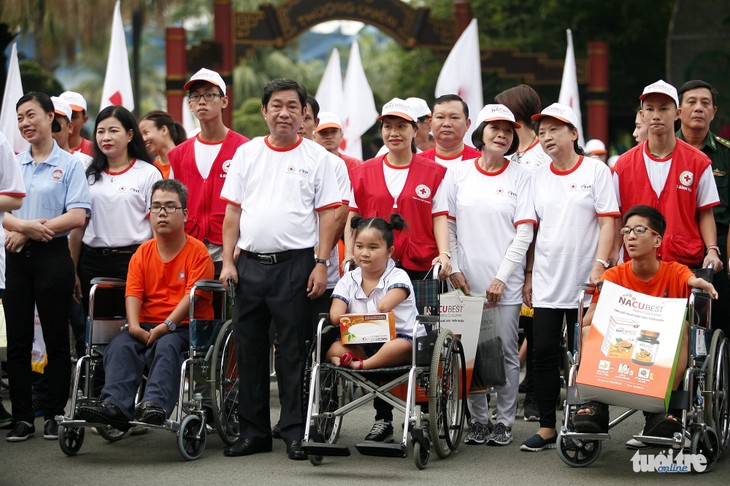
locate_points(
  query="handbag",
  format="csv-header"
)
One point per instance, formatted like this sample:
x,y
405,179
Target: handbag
x,y
489,363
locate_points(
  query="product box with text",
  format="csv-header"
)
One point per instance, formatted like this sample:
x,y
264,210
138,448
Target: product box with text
x,y
631,353
367,328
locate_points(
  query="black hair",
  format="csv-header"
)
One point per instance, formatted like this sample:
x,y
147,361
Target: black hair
x,y
452,97
694,84
311,101
576,146
200,83
384,227
135,149
521,100
284,85
413,124
172,185
652,214
164,119
477,138
46,104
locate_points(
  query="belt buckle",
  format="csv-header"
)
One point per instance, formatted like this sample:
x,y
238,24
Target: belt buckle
x,y
266,259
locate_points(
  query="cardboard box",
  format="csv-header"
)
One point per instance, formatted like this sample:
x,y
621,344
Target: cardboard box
x,y
631,353
367,328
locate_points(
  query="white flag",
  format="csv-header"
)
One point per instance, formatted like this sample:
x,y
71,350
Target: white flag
x,y
8,114
118,82
462,74
330,92
359,105
569,86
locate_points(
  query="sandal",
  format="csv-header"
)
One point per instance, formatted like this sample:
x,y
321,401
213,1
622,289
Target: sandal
x,y
593,422
662,425
348,358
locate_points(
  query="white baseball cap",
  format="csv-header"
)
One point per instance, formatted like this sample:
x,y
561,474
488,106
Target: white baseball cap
x,y
420,107
75,100
595,147
327,119
400,108
560,112
208,76
495,112
661,87
61,107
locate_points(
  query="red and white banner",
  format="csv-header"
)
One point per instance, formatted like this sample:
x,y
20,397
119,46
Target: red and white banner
x,y
359,105
462,74
8,113
330,94
569,86
118,82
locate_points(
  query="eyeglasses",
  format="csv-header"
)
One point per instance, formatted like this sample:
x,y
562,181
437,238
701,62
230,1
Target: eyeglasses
x,y
169,208
638,230
206,96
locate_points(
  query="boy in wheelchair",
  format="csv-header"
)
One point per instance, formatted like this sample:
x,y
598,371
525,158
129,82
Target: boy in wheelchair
x,y
160,276
642,236
376,285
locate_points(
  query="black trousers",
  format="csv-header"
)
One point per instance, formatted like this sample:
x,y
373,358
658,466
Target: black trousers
x,y
264,293
41,275
92,264
547,328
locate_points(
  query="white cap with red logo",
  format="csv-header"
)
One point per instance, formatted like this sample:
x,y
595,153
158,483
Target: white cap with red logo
x,y
495,112
661,87
400,108
75,100
560,112
328,119
208,76
61,107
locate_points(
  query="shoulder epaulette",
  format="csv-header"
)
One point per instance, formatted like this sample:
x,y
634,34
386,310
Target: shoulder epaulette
x,y
722,141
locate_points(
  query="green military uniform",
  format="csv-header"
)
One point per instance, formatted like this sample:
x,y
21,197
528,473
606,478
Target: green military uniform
x,y
718,150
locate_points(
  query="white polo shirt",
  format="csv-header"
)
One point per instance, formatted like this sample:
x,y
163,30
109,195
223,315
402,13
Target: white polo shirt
x,y
349,290
567,205
120,204
487,208
279,191
11,184
533,157
343,183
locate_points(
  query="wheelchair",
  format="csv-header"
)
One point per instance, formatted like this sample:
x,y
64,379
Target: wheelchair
x,y
704,399
208,378
436,376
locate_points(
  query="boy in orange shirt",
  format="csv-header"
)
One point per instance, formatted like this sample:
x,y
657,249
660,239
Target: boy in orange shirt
x,y
642,234
160,276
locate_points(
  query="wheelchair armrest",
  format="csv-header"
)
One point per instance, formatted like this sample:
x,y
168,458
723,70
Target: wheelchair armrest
x,y
108,282
209,285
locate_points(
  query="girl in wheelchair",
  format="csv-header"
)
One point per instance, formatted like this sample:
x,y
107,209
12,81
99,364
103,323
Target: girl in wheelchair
x,y
376,285
642,236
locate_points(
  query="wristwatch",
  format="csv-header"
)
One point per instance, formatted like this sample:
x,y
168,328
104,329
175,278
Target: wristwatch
x,y
324,262
605,263
171,326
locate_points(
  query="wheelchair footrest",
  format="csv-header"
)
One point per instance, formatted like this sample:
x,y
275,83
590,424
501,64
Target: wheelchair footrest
x,y
381,450
674,442
323,449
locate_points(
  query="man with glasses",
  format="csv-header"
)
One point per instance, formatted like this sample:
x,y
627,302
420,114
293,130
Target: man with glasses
x,y
161,274
202,162
642,233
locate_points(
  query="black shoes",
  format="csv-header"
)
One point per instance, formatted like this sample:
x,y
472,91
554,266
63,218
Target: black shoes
x,y
246,447
276,431
294,450
104,413
21,431
50,430
150,413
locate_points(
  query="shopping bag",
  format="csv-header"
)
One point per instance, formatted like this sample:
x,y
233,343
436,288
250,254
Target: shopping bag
x,y
426,293
463,315
38,357
489,363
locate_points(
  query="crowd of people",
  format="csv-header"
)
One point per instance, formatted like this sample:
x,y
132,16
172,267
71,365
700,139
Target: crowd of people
x,y
522,216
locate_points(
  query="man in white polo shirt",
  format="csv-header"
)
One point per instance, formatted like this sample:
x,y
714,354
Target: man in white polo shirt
x,y
282,194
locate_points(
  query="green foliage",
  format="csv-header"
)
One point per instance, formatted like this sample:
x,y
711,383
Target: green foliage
x,y
37,78
247,118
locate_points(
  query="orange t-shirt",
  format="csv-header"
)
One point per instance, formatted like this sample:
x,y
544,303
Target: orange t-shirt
x,y
164,168
669,282
161,286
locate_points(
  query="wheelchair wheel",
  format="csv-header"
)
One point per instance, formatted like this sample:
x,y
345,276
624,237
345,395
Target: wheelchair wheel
x,y
421,455
718,382
70,439
332,397
578,452
707,444
224,385
110,434
446,408
191,438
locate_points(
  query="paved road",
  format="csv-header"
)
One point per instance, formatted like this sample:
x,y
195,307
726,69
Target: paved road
x,y
154,459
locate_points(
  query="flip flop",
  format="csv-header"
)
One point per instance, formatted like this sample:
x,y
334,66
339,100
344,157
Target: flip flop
x,y
348,358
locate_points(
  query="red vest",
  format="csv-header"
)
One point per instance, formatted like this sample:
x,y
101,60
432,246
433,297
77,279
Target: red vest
x,y
467,154
678,201
415,246
205,207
